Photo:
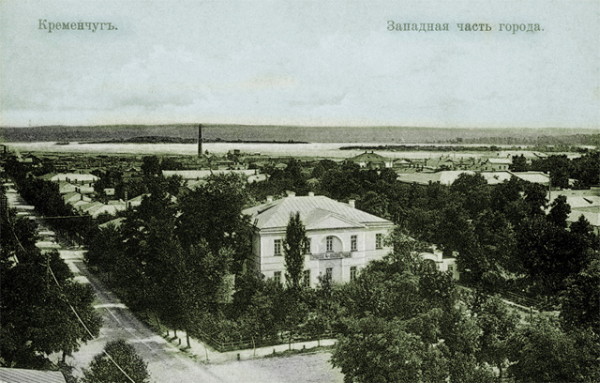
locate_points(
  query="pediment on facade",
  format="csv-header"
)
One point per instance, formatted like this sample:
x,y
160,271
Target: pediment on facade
x,y
325,220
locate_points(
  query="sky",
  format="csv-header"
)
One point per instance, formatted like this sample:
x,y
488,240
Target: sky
x,y
325,63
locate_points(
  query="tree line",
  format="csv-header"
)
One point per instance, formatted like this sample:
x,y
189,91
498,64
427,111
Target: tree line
x,y
38,296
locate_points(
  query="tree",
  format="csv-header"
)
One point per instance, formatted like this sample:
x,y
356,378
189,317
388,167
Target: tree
x,y
37,316
150,166
388,175
541,352
213,213
454,229
580,302
583,243
255,304
491,254
473,192
559,167
535,199
519,164
170,164
105,248
103,368
506,199
559,211
497,324
293,173
294,249
394,317
376,350
559,171
543,249
585,169
374,203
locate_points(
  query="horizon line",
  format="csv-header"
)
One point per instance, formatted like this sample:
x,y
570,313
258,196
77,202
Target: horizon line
x,y
208,125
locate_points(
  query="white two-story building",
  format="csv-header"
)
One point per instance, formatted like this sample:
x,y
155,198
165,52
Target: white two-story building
x,y
342,239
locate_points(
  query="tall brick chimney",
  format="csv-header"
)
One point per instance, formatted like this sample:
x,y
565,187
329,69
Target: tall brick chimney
x,y
200,140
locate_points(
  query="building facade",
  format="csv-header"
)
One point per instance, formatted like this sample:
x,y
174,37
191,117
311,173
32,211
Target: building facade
x,y
341,239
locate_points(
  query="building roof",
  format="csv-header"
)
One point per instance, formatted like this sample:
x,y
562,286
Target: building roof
x,y
65,187
494,178
368,157
112,209
446,177
117,222
316,212
19,375
500,161
591,213
578,201
534,177
72,197
79,177
138,198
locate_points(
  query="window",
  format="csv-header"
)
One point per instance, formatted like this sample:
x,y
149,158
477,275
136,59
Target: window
x,y
307,246
277,247
306,278
352,273
379,241
277,277
329,272
329,243
353,243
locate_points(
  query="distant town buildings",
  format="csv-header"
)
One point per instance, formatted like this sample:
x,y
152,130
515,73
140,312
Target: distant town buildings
x,y
497,164
195,175
448,177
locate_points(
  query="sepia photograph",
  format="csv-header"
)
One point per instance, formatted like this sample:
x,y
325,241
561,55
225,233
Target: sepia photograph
x,y
264,191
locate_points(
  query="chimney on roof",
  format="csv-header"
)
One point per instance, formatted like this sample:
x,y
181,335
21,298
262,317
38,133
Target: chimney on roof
x,y
199,140
351,202
290,193
311,194
269,198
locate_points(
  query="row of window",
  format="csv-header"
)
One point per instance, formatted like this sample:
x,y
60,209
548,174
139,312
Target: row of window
x,y
306,275
278,243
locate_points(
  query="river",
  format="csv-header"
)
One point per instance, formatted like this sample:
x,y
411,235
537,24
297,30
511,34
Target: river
x,y
319,150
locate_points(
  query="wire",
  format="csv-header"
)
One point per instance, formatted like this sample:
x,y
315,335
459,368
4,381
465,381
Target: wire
x,y
86,327
71,306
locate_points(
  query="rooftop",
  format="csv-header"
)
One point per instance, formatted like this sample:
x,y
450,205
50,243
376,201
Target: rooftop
x,y
534,177
316,212
79,177
19,375
500,161
367,157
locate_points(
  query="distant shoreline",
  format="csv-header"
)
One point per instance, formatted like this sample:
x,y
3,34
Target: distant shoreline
x,y
180,140
437,148
285,134
460,148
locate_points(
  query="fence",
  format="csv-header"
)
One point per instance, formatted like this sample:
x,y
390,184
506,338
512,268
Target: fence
x,y
245,343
